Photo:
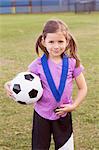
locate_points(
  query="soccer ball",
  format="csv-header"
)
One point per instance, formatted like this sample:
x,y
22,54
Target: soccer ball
x,y
26,88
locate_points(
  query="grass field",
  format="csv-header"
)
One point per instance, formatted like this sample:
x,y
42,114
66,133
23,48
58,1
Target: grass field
x,y
17,37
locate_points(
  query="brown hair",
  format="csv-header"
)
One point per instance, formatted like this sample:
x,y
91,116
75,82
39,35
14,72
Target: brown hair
x,y
53,26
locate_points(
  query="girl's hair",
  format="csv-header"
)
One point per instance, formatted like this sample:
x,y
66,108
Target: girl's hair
x,y
53,26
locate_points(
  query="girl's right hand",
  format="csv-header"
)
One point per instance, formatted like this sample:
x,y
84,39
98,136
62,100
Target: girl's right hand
x,y
8,91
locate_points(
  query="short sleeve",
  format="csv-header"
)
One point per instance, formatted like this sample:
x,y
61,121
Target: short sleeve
x,y
77,71
33,67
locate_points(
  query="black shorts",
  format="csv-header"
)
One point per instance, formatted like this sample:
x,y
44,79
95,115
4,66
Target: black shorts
x,y
61,129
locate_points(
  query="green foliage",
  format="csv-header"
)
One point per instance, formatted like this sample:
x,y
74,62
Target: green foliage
x,y
17,49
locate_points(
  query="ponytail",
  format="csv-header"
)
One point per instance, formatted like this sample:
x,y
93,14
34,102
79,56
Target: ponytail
x,y
40,45
72,46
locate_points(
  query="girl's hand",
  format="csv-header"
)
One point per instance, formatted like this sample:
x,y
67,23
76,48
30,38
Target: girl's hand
x,y
64,109
8,91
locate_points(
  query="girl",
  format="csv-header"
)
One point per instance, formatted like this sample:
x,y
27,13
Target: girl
x,y
57,68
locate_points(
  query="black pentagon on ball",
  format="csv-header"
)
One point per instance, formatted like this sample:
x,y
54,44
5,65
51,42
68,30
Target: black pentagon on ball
x,y
23,103
16,88
33,93
29,77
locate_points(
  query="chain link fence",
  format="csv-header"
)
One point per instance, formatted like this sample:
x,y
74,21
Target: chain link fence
x,y
44,6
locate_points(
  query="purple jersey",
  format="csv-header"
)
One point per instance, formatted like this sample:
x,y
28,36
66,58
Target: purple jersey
x,y
47,104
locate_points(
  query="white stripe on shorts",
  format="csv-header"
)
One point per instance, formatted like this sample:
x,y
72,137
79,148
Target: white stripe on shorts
x,y
69,145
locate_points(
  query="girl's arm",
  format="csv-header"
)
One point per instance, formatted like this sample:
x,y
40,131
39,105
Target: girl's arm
x,y
82,91
7,88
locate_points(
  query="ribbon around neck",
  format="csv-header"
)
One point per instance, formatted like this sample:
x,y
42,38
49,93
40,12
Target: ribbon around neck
x,y
57,93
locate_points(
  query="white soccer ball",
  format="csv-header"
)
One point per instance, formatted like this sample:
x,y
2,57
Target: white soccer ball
x,y
26,88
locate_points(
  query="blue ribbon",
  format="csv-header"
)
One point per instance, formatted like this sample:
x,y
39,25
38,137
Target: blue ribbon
x,y
57,93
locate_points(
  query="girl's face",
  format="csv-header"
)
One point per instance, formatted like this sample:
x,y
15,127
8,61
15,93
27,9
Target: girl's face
x,y
55,44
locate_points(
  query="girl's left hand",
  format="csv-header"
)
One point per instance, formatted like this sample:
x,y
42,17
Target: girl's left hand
x,y
64,109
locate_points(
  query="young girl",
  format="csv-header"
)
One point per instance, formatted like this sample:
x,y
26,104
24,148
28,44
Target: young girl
x,y
56,68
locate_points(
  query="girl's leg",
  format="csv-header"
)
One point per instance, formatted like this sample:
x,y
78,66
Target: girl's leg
x,y
63,133
69,145
41,133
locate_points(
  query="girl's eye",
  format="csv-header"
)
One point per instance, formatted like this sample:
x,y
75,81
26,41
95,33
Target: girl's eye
x,y
60,41
51,41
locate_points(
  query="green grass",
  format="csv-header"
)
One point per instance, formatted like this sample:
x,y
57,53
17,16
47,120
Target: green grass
x,y
17,38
